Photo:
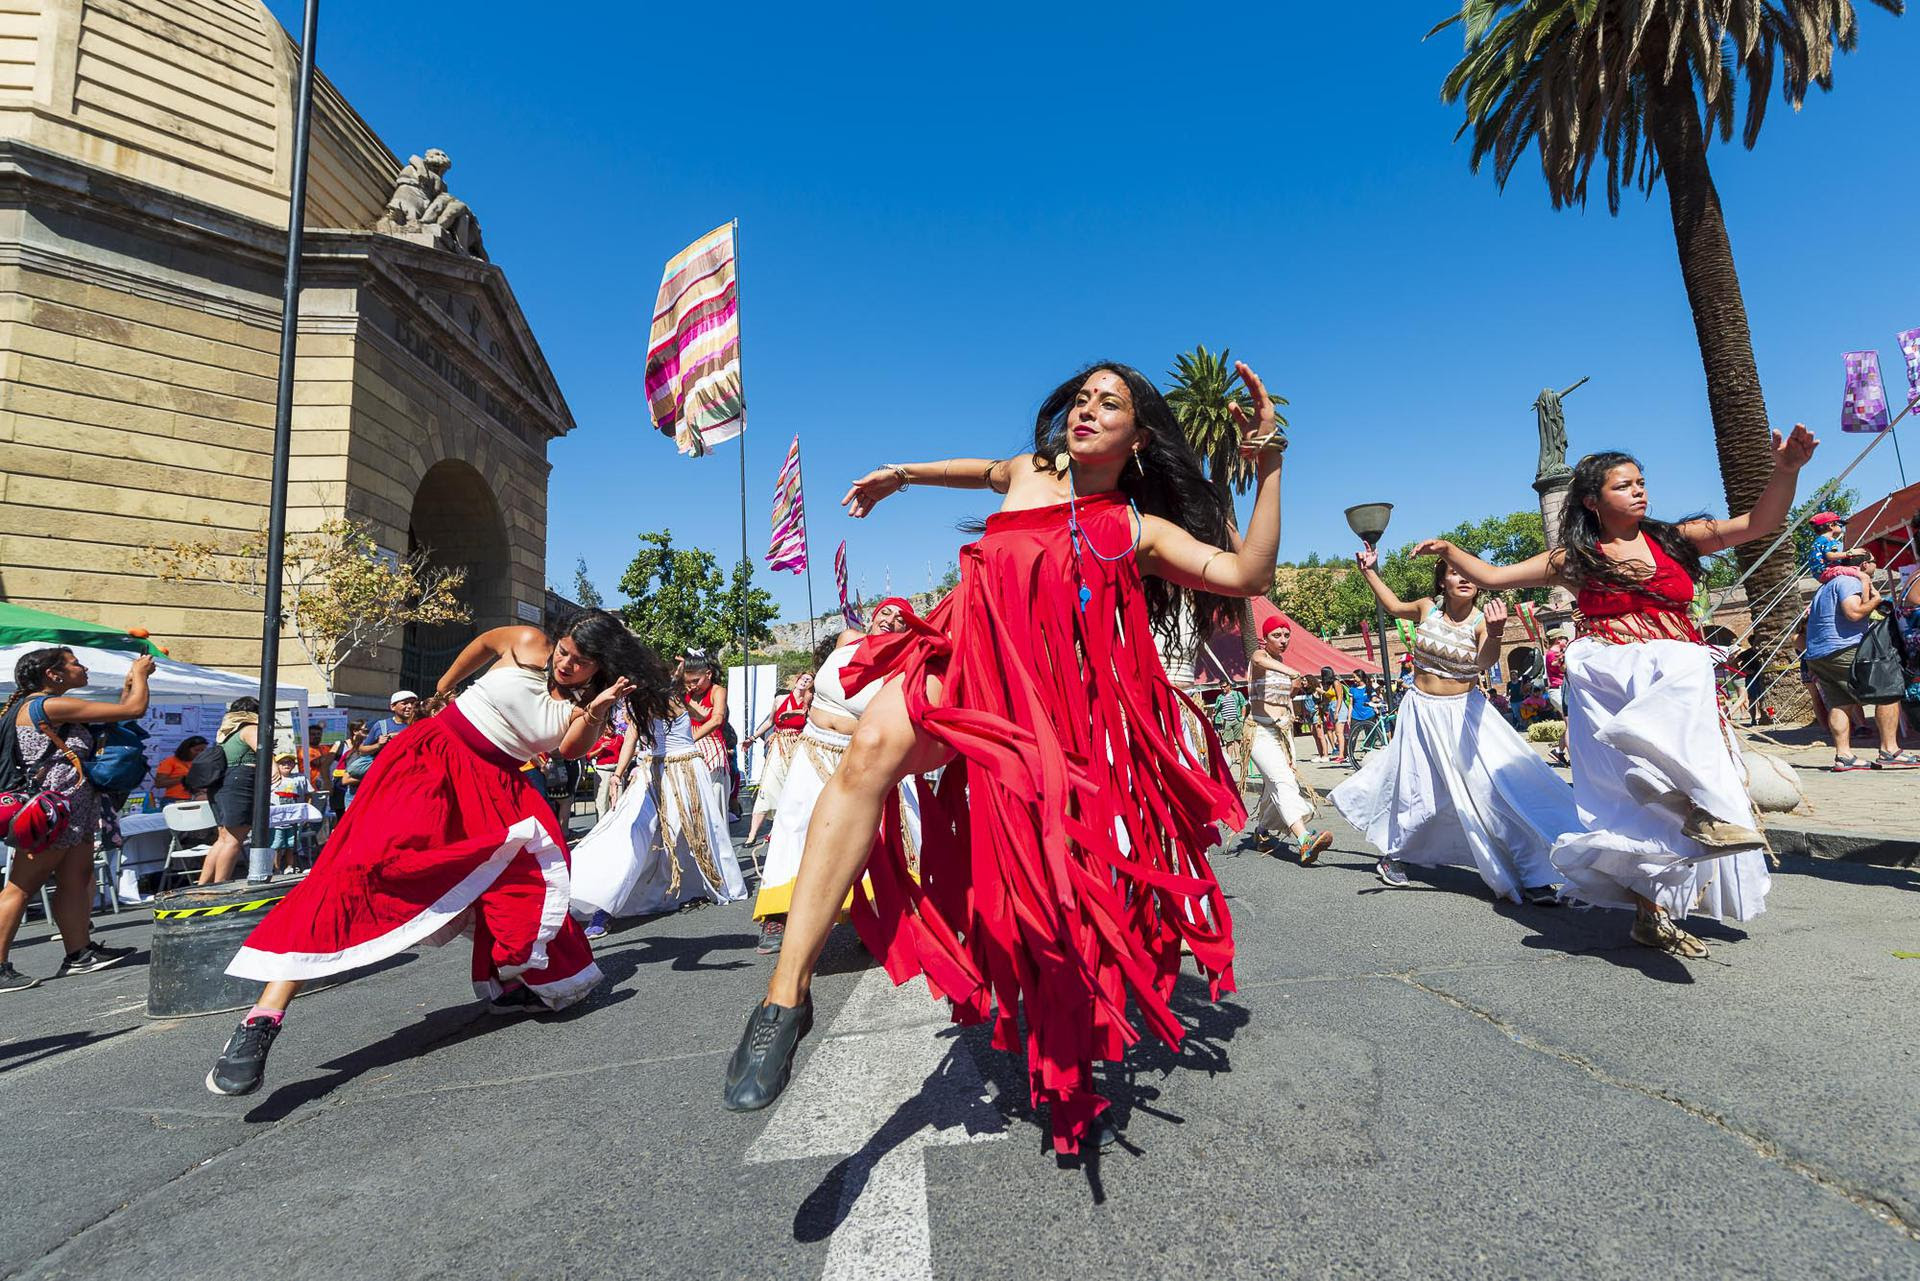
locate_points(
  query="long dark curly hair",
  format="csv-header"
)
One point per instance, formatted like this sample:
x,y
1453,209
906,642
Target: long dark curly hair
x,y
30,675
1580,531
1169,484
606,640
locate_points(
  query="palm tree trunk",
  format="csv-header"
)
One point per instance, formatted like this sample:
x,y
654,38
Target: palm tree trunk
x,y
1738,407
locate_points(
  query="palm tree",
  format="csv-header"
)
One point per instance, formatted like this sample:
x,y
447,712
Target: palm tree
x,y
1647,84
1202,387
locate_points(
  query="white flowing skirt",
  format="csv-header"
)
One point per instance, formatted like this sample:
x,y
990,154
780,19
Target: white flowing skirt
x,y
664,844
809,765
1457,785
1282,802
1647,711
780,748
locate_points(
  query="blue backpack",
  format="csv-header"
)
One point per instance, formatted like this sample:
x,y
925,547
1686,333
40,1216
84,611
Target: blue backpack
x,y
119,762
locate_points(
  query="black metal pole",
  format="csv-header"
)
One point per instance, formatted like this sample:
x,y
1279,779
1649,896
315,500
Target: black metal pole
x,y
260,856
1386,665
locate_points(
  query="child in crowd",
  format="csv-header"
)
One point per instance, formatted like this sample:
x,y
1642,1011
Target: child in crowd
x,y
1830,555
289,788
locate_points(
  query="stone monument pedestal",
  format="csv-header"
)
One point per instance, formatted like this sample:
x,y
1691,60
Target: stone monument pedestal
x,y
1553,499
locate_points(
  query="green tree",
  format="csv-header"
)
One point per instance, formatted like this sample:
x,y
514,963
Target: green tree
x,y
1647,87
677,600
1504,540
585,594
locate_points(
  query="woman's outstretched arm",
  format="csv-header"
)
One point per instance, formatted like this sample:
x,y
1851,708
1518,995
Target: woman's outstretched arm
x,y
527,646
1769,511
1245,569
1535,571
1369,561
948,473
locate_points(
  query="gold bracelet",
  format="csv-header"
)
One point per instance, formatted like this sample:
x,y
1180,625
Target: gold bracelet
x,y
1209,565
899,471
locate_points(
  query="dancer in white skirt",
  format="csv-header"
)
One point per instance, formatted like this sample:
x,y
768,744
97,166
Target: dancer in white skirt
x,y
831,720
1666,826
665,841
1456,784
781,732
1283,804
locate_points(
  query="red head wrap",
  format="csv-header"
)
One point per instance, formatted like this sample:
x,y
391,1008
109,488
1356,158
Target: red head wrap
x,y
1273,624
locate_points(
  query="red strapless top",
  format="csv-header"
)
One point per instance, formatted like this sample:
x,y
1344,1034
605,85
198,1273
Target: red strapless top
x,y
790,714
1656,609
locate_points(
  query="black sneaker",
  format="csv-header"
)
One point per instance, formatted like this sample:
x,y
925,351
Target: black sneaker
x,y
518,999
92,957
12,980
773,932
243,1063
763,1061
1541,895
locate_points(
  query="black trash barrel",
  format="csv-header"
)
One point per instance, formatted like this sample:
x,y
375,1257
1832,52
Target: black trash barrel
x,y
195,934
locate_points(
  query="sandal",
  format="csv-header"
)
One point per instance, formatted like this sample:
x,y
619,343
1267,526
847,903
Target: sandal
x,y
1846,764
1897,760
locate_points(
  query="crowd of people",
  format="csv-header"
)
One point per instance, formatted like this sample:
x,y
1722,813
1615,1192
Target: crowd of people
x,y
1008,796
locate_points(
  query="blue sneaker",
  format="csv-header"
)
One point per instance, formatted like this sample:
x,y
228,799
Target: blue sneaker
x,y
1390,872
597,926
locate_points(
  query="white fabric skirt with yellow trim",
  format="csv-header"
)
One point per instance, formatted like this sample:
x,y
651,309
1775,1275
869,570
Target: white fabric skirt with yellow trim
x,y
809,765
665,844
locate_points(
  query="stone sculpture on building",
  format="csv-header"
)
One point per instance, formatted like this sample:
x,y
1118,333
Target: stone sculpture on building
x,y
421,208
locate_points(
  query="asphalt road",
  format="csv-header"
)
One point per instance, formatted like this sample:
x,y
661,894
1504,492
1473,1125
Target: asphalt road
x,y
1408,1083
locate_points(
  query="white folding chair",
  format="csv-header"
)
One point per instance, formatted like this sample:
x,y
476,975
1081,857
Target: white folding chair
x,y
103,887
185,818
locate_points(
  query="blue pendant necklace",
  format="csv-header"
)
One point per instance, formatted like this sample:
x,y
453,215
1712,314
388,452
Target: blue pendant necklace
x,y
1081,540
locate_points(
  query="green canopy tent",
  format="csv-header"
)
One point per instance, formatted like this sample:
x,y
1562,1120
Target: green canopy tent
x,y
22,626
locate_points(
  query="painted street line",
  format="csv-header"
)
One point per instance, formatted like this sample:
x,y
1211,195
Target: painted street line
x,y
887,1081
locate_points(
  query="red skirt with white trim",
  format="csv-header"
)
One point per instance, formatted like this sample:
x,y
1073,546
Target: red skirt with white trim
x,y
445,836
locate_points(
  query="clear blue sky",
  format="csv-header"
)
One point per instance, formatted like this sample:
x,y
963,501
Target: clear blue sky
x,y
946,211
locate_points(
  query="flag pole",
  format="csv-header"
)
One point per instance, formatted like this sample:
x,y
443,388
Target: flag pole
x,y
748,724
806,553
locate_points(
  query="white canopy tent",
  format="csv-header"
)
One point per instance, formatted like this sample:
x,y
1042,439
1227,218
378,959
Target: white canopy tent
x,y
172,681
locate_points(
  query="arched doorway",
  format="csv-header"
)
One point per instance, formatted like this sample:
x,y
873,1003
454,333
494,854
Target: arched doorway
x,y
457,523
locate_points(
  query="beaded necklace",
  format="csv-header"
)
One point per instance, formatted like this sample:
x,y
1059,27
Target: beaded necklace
x,y
1080,538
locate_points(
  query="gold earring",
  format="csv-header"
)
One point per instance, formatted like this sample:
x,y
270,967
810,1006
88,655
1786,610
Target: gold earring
x,y
1138,463
1060,462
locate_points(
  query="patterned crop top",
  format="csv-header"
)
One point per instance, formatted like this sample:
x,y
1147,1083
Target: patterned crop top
x,y
1656,609
1444,648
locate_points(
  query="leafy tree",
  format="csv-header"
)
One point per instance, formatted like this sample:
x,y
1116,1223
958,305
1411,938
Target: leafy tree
x,y
1504,540
1647,87
585,593
340,593
677,600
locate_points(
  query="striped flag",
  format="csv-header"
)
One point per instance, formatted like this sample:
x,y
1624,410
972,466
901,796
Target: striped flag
x,y
848,613
693,353
789,547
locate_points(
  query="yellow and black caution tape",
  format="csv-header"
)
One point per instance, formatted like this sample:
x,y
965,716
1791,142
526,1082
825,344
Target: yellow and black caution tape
x,y
174,914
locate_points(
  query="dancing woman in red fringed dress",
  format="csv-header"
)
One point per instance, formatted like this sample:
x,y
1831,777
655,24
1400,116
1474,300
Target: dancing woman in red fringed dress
x,y
1063,859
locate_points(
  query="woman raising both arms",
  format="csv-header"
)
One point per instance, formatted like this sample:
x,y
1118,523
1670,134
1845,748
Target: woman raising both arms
x,y
1668,829
1063,864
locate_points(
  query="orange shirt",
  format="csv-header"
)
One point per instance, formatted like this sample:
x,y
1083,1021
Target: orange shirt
x,y
170,775
319,766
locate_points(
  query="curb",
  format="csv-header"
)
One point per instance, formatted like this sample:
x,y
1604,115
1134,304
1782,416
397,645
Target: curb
x,y
1882,849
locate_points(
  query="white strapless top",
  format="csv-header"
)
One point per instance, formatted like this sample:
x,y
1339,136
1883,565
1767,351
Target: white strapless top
x,y
511,707
830,696
674,737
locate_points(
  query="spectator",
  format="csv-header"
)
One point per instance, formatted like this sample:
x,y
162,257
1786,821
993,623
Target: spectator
x,y
44,734
239,738
404,707
170,775
344,778
1336,709
317,760
1557,672
1830,555
1837,621
290,787
1360,703
605,755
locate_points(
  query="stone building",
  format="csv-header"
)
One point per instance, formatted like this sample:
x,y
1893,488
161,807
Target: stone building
x,y
145,160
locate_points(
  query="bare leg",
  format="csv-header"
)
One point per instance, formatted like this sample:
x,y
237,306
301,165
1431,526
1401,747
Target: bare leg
x,y
278,994
73,895
219,862
30,872
1886,719
885,749
1840,725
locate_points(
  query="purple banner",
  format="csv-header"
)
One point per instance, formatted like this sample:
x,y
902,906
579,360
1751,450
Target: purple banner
x,y
1910,348
1865,405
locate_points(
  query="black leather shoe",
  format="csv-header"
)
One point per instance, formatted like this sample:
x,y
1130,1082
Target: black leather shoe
x,y
763,1061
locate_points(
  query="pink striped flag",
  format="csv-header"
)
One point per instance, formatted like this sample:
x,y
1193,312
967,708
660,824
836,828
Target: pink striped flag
x,y
848,613
693,353
789,547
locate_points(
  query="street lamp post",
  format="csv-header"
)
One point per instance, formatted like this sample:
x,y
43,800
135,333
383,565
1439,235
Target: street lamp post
x,y
260,855
1369,521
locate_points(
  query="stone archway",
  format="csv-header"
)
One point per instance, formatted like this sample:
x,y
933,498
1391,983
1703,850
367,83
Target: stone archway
x,y
456,520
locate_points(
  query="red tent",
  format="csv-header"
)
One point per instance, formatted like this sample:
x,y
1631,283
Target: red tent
x,y
1882,527
1224,655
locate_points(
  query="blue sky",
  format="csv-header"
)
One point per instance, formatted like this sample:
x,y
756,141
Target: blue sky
x,y
944,211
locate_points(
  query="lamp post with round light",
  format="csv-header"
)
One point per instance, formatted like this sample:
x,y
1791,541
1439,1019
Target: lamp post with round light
x,y
1369,521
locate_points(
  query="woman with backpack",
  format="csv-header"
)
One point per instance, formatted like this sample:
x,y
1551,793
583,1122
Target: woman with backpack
x,y
230,786
45,741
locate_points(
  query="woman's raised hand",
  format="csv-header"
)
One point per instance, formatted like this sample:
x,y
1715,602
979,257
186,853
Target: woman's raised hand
x,y
602,705
1792,452
1366,558
1495,612
1431,547
869,490
1259,429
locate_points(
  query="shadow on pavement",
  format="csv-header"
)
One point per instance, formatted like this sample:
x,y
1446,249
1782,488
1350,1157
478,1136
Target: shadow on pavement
x,y
436,1031
1847,873
682,954
18,1054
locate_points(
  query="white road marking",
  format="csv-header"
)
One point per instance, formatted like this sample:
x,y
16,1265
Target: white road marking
x,y
883,1085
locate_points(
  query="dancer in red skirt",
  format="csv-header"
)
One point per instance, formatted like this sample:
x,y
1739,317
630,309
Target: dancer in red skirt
x,y
1062,865
446,836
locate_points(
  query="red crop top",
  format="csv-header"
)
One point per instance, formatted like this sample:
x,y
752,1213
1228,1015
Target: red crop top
x,y
1656,609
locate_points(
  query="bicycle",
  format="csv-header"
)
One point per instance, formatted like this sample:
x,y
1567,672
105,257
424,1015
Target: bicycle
x,y
1378,733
